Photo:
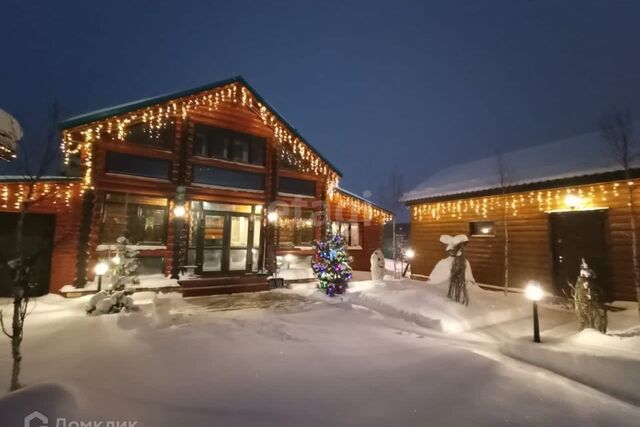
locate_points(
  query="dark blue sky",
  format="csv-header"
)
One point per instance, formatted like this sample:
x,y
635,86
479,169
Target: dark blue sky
x,y
376,86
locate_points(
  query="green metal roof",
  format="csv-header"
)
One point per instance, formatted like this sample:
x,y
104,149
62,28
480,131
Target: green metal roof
x,y
93,116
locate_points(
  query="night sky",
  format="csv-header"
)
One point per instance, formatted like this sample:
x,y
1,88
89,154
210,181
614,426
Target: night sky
x,y
376,86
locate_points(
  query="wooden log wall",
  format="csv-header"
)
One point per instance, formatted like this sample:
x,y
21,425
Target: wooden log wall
x,y
530,255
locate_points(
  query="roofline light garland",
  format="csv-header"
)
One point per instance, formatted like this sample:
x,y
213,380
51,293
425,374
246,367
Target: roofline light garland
x,y
158,116
590,196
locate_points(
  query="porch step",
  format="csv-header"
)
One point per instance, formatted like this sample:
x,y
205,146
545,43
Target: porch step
x,y
202,286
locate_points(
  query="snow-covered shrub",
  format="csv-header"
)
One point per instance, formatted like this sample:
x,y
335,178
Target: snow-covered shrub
x,y
110,301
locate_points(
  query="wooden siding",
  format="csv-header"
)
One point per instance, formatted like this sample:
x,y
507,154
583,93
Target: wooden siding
x,y
529,234
371,234
67,220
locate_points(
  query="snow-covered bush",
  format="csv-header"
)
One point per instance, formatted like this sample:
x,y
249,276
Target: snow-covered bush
x,y
110,301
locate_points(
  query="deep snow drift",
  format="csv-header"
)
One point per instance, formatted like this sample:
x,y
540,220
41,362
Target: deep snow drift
x,y
288,357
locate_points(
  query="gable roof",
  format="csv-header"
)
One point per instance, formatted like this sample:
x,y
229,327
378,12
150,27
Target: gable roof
x,y
105,113
579,156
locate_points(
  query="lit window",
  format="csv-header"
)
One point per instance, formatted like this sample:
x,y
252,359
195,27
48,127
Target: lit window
x,y
296,228
142,220
482,228
349,230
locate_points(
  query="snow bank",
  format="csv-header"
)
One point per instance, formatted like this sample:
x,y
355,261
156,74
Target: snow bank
x,y
609,370
50,399
427,305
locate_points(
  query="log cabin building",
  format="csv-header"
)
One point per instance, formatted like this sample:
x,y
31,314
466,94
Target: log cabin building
x,y
192,179
558,203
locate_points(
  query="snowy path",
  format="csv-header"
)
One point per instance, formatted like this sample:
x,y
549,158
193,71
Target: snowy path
x,y
302,363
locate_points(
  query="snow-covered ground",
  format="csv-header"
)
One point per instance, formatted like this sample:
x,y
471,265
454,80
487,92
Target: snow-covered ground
x,y
295,357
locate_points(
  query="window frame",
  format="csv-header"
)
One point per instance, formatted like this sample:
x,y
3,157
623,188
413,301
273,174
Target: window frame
x,y
349,235
475,228
166,135
228,139
133,202
111,156
297,231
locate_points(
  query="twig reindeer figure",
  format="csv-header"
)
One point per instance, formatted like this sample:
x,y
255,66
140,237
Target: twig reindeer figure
x,y
458,280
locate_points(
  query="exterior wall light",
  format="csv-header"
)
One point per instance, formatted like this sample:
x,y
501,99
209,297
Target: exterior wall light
x,y
179,211
572,201
272,216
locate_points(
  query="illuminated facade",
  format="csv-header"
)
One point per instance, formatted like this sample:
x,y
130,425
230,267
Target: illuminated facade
x,y
190,179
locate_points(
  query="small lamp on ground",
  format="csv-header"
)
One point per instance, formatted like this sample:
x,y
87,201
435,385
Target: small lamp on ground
x,y
100,269
408,255
534,292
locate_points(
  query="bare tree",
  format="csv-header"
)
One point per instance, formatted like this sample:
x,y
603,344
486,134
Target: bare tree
x,y
391,192
35,168
616,128
503,182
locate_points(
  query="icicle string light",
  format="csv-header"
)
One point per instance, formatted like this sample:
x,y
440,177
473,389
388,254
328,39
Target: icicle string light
x,y
13,195
360,207
561,199
157,117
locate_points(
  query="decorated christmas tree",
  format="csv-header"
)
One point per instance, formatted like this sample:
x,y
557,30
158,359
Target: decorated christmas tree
x,y
331,264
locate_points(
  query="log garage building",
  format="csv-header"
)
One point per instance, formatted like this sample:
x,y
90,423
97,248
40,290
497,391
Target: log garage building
x,y
192,179
558,203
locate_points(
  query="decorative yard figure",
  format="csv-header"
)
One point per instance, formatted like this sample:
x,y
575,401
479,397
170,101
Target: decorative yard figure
x,y
458,278
377,265
331,264
587,301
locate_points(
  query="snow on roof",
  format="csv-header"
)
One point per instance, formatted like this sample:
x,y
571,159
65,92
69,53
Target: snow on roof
x,y
581,155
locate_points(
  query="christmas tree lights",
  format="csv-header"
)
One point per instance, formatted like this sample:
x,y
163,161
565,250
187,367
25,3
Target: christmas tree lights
x,y
331,264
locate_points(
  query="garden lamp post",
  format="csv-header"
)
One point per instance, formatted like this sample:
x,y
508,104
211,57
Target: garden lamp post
x,y
533,291
100,269
408,254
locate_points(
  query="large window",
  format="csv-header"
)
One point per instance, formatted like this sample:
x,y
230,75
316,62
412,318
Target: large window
x,y
350,231
228,178
137,165
228,145
142,133
297,186
143,220
296,228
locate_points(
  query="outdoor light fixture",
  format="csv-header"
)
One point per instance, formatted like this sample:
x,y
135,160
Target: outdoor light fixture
x,y
534,292
179,211
408,254
289,258
272,216
100,269
572,201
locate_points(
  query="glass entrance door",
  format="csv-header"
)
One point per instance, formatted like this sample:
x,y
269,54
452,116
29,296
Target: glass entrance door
x,y
213,237
224,242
